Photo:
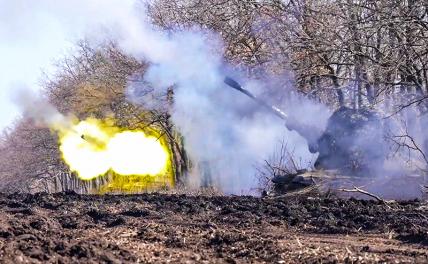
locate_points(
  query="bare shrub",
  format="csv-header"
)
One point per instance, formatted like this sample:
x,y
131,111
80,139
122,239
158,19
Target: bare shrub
x,y
281,163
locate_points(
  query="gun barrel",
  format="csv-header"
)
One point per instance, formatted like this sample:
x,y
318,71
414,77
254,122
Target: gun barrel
x,y
273,109
310,133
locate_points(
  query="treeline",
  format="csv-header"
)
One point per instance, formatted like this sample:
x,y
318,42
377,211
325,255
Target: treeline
x,y
341,52
91,83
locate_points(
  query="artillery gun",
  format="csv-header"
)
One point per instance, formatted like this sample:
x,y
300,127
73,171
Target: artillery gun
x,y
350,142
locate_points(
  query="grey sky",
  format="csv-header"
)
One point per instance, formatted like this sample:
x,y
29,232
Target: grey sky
x,y
29,43
35,34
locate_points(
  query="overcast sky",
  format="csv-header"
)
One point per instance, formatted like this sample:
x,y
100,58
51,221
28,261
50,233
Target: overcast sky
x,y
35,34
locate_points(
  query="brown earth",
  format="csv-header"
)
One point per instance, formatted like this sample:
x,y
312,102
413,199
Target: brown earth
x,y
66,227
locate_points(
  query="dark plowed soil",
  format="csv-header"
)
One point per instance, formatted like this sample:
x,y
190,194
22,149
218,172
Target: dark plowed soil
x,y
63,228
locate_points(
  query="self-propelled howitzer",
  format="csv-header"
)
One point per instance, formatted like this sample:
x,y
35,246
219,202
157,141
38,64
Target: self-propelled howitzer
x,y
345,144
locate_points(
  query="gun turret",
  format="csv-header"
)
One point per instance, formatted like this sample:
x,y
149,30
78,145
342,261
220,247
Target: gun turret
x,y
337,146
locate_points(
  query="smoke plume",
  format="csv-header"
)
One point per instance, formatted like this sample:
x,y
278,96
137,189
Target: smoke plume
x,y
225,134
34,107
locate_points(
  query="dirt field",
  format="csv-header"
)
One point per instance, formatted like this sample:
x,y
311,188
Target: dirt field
x,y
63,228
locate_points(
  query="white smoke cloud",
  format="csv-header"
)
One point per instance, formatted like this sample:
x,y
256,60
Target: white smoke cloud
x,y
225,136
38,109
224,132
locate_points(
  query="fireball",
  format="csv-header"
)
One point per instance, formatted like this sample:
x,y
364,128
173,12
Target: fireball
x,y
91,148
144,155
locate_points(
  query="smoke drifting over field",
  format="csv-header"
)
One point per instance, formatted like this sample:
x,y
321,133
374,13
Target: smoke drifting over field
x,y
225,134
39,110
